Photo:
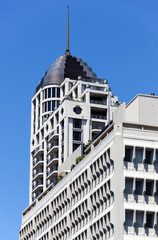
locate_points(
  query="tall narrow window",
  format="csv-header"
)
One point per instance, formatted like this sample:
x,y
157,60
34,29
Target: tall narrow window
x,y
45,106
53,105
139,219
156,194
156,156
45,93
149,220
77,136
128,154
139,155
149,156
49,92
128,185
128,218
77,123
49,105
53,92
58,103
58,92
139,187
75,146
149,188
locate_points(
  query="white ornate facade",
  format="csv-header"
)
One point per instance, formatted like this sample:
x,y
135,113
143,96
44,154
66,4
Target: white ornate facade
x,y
66,113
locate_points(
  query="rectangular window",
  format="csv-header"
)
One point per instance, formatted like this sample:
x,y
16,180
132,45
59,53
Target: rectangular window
x,y
77,136
149,157
38,124
77,123
45,106
139,155
156,194
49,92
129,185
156,156
53,105
128,154
62,150
45,94
53,92
98,125
149,220
75,146
34,104
139,187
39,97
34,129
139,219
62,125
49,105
58,103
62,139
128,218
149,188
39,112
58,92
52,123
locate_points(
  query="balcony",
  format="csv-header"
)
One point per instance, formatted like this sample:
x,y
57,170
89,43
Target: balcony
x,y
38,151
53,182
103,117
52,159
37,187
38,162
53,136
97,127
95,88
53,148
100,102
37,174
52,171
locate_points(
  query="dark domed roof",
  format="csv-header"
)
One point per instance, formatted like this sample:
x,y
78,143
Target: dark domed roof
x,y
66,66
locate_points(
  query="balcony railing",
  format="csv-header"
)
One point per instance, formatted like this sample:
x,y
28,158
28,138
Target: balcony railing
x,y
53,181
104,117
50,135
36,185
54,168
97,88
37,160
52,145
52,158
98,125
37,172
98,102
37,149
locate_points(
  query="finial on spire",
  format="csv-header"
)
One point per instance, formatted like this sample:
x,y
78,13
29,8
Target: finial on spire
x,y
67,52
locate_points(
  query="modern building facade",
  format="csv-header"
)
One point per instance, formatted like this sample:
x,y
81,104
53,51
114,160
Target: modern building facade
x,y
112,193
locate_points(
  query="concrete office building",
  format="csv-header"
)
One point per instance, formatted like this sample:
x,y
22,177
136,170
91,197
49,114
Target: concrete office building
x,y
112,193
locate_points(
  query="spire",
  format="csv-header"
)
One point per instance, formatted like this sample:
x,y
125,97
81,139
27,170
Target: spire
x,y
67,52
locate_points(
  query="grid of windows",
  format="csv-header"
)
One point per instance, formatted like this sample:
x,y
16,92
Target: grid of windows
x,y
52,92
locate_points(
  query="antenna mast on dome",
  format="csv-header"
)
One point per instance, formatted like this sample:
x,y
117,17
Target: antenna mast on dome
x,y
67,52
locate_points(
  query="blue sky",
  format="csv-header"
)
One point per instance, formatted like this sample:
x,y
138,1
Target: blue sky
x,y
118,39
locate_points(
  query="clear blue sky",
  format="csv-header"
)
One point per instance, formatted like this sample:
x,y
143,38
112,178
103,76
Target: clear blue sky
x,y
118,39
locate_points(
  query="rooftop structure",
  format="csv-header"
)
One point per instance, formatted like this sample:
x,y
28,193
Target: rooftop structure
x,y
69,108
